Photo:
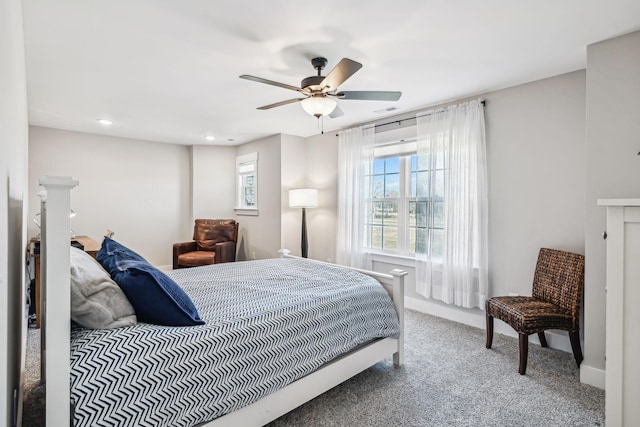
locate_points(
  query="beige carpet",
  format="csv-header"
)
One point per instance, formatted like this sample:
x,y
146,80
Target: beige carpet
x,y
33,410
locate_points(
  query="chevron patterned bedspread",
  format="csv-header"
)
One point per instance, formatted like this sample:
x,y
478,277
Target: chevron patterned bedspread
x,y
268,323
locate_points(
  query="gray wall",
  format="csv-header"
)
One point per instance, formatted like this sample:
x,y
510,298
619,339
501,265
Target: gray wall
x,y
138,189
260,235
613,166
13,202
322,173
535,153
293,160
213,187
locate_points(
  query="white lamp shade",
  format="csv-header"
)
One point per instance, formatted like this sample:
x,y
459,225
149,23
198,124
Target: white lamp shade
x,y
303,198
318,105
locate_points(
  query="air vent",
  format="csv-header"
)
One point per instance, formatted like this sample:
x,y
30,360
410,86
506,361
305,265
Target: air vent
x,y
386,110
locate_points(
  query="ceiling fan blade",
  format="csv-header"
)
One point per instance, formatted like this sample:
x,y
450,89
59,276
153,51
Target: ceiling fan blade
x,y
269,82
337,112
278,104
369,95
341,72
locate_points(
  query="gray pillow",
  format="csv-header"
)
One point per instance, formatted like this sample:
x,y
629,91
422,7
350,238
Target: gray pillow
x,y
97,302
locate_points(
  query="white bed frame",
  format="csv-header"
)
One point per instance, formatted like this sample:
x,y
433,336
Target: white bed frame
x,y
56,324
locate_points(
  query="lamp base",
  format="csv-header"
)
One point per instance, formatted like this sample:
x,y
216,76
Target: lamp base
x,y
303,243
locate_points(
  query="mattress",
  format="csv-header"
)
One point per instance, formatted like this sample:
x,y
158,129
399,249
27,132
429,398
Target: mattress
x,y
268,323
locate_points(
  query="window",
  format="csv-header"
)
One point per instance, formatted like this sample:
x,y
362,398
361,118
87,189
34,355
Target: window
x,y
426,204
247,184
405,204
382,217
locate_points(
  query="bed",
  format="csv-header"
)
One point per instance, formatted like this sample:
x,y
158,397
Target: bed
x,y
276,334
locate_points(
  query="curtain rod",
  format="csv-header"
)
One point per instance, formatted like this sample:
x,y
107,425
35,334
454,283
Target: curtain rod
x,y
483,102
412,118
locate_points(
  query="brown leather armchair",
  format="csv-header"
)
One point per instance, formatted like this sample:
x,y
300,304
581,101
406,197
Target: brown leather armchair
x,y
214,242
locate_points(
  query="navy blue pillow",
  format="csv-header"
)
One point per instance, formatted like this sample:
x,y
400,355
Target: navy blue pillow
x,y
112,253
155,297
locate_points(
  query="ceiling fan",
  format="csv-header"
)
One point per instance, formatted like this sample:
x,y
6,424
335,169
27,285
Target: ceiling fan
x,y
320,92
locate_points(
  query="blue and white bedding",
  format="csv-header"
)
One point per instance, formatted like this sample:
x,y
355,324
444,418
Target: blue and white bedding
x,y
268,323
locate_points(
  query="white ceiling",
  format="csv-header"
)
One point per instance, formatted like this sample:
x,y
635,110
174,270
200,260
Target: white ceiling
x,y
167,70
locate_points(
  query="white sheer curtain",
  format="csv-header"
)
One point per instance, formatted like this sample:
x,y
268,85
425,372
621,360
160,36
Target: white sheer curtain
x,y
452,264
355,156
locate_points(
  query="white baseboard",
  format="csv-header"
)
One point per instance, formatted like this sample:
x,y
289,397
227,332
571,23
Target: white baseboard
x,y
476,318
164,267
473,317
592,376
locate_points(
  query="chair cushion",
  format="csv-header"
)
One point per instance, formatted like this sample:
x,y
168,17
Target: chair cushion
x,y
196,258
529,315
155,297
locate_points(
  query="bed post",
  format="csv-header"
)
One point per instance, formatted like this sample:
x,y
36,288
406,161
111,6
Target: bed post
x,y
284,253
398,301
55,300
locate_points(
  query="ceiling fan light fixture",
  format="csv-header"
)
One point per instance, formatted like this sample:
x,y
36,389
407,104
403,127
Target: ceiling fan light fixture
x,y
318,105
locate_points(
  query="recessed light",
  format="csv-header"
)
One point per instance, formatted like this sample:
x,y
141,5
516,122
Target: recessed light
x,y
209,137
105,122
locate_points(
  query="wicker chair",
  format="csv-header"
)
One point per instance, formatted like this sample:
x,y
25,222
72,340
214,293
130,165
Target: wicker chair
x,y
554,304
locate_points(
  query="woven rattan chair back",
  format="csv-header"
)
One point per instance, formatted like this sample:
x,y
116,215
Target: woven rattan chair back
x,y
558,279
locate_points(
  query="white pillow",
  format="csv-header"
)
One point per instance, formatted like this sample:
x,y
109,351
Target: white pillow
x,y
97,302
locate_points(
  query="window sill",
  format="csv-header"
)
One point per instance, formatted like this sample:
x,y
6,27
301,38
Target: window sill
x,y
397,259
245,211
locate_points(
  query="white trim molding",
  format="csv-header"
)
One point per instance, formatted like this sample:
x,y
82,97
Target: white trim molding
x,y
246,212
246,179
592,376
